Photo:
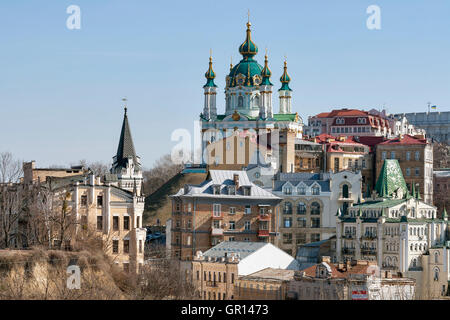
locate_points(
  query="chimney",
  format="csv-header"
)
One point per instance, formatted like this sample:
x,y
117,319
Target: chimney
x,y
326,259
236,180
92,179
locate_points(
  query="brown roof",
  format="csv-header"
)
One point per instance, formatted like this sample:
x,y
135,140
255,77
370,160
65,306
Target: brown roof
x,y
271,274
404,140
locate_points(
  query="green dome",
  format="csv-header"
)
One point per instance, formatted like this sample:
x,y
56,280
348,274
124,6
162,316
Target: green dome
x,y
285,79
243,74
248,71
266,73
248,49
210,75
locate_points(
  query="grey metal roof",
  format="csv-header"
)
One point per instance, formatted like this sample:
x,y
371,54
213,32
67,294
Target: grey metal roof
x,y
324,185
126,146
224,178
243,248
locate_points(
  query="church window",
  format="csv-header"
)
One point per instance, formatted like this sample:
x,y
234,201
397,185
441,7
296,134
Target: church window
x,y
240,102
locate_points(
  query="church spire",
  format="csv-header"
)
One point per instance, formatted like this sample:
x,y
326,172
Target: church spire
x,y
285,79
210,75
125,150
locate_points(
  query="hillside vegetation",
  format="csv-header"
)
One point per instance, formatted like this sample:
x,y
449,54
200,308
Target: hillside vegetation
x,y
158,204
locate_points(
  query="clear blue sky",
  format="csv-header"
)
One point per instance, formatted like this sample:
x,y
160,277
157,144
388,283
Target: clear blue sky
x,y
61,90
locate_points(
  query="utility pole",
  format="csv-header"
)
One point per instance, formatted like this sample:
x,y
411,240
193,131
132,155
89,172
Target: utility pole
x,y
429,105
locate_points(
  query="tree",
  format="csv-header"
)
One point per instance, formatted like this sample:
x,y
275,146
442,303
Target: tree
x,y
10,169
163,170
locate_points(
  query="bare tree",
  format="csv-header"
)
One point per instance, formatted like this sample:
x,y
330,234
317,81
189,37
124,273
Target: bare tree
x,y
163,170
10,169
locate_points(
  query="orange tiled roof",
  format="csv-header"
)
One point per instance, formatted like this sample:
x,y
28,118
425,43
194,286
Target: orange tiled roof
x,y
404,140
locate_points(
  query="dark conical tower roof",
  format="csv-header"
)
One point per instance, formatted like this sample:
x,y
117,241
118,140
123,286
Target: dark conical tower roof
x,y
126,146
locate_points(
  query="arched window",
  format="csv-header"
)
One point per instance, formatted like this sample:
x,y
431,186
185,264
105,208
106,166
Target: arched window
x,y
301,208
315,208
345,191
256,101
287,207
414,263
394,261
388,261
240,102
436,274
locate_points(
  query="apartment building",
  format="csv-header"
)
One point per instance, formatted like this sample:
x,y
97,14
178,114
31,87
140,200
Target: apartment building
x,y
309,156
310,204
216,271
415,156
227,206
267,284
441,189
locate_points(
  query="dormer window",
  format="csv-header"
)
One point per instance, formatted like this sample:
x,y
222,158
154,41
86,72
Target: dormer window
x,y
231,190
301,190
216,189
340,121
315,190
288,190
247,191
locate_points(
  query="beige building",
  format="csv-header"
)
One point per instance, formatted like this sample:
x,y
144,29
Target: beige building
x,y
267,284
111,207
216,272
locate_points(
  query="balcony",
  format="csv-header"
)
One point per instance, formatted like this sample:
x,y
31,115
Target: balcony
x,y
263,233
348,236
348,251
346,199
369,252
264,217
216,231
212,284
369,237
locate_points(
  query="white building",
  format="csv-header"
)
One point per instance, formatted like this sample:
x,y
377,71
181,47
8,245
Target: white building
x,y
310,204
393,228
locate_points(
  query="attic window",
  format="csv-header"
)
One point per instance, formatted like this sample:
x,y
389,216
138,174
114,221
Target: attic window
x,y
231,190
247,191
216,189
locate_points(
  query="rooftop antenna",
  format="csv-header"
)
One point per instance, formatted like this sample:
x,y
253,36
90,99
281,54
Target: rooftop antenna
x,y
429,105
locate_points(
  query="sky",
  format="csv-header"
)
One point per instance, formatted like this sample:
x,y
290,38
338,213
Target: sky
x,y
61,89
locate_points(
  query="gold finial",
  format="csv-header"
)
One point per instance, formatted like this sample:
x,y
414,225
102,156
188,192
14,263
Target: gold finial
x,y
231,63
266,53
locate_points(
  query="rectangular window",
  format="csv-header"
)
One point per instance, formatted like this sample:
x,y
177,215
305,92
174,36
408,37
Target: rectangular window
x,y
115,246
126,223
140,246
230,238
216,210
115,223
383,155
408,171
315,222
408,155
248,209
138,222
83,200
300,238
417,156
99,223
84,222
287,238
301,222
232,210
232,278
287,222
247,225
315,237
392,154
232,225
126,246
417,171
99,201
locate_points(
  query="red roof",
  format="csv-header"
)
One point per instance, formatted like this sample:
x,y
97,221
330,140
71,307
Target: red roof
x,y
371,141
322,115
359,268
347,113
404,140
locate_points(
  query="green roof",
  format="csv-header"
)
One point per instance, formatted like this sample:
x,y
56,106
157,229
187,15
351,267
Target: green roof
x,y
390,179
379,203
277,117
210,75
285,79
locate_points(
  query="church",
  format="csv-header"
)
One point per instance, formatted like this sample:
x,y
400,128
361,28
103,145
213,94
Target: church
x,y
249,113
